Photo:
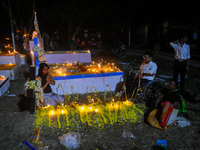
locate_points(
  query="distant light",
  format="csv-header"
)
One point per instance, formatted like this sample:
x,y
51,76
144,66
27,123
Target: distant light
x,y
7,39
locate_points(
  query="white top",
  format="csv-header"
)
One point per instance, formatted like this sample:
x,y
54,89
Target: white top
x,y
181,53
149,68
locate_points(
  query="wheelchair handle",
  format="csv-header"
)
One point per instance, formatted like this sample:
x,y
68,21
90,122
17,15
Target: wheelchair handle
x,y
121,79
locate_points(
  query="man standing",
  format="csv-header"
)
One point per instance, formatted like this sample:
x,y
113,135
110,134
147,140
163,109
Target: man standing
x,y
46,39
182,56
55,38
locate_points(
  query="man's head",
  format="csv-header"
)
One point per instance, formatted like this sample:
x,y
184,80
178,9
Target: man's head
x,y
183,38
147,57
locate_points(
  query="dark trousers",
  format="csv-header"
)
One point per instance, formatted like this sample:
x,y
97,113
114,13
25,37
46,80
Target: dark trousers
x,y
180,67
55,45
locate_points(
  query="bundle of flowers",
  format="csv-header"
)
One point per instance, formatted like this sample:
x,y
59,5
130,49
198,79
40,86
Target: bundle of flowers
x,y
38,91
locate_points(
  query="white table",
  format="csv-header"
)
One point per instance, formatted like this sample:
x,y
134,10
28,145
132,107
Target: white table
x,y
13,59
23,59
10,72
62,57
80,82
4,85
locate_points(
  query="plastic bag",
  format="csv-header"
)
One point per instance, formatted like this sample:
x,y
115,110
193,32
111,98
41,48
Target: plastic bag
x,y
128,134
70,140
182,122
168,115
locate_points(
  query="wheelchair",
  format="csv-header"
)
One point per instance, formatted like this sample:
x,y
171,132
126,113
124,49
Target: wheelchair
x,y
148,92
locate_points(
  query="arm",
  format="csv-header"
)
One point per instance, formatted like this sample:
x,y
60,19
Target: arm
x,y
138,74
151,71
158,100
172,43
43,87
50,79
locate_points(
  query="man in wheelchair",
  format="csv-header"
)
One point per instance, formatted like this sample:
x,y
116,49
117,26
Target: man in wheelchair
x,y
145,74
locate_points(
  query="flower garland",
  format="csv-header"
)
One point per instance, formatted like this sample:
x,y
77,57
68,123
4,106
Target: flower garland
x,y
36,85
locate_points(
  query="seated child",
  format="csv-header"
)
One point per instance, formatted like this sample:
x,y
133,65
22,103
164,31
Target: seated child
x,y
46,79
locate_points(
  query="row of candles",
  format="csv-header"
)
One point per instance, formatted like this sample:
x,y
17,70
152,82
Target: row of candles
x,y
71,68
86,110
73,52
9,52
70,52
89,109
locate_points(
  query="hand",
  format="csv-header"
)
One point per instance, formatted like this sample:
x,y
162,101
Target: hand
x,y
187,69
175,42
48,79
140,75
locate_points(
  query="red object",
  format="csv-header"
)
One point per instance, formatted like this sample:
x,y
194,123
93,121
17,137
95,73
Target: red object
x,y
168,115
40,145
36,135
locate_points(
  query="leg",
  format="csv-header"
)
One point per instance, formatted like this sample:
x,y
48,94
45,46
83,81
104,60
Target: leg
x,y
182,74
144,82
57,98
133,86
176,70
48,100
128,83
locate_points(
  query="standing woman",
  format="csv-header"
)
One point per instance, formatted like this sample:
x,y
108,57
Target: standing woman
x,y
46,79
182,56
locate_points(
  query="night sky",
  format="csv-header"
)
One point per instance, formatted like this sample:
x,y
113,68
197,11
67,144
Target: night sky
x,y
65,16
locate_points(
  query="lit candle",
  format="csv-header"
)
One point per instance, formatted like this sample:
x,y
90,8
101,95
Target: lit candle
x,y
90,109
99,65
116,106
32,58
51,112
82,108
113,100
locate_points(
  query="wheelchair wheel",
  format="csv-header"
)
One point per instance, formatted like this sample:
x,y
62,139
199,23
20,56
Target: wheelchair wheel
x,y
153,90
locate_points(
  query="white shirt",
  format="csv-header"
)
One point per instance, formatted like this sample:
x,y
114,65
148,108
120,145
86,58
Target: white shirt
x,y
181,53
149,68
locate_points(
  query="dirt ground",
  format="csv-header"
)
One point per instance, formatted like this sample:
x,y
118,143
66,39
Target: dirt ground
x,y
17,126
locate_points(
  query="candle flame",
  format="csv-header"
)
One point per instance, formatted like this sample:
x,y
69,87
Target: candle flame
x,y
90,108
62,111
51,112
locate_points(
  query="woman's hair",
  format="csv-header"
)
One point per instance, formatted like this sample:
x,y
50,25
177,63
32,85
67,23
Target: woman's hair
x,y
42,65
